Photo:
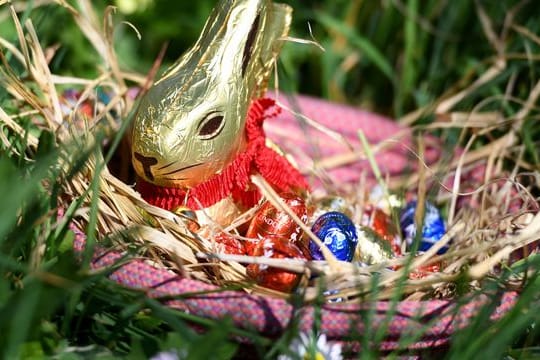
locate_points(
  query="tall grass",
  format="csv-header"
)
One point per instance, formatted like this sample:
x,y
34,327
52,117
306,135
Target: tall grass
x,y
400,58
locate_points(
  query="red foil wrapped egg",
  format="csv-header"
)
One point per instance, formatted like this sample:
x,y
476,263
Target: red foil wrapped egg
x,y
382,224
229,244
424,271
269,221
275,247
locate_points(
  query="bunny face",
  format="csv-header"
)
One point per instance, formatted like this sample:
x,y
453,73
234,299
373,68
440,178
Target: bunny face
x,y
190,123
189,139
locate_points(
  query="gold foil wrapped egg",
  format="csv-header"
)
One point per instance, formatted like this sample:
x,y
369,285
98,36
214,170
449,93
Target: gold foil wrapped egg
x,y
372,248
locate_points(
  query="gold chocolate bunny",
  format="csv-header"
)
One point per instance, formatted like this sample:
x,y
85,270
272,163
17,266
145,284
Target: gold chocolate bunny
x,y
191,124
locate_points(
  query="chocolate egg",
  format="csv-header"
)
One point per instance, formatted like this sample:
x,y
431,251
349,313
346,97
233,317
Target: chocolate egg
x,y
432,230
372,248
229,244
275,247
269,221
425,270
383,225
338,233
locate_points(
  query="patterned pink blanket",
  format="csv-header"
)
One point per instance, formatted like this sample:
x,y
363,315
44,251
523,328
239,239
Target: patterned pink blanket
x,y
436,320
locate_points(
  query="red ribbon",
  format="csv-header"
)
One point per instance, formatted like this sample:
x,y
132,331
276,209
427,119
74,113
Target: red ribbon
x,y
234,180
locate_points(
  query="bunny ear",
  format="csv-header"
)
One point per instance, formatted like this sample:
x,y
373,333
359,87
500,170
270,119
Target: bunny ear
x,y
250,41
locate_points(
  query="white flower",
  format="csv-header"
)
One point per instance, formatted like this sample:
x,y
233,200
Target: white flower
x,y
305,348
165,355
170,355
131,6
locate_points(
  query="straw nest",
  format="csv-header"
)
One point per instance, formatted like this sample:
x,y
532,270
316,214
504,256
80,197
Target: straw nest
x,y
483,236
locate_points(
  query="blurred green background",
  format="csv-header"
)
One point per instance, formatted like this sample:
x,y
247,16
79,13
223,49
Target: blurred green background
x,y
389,56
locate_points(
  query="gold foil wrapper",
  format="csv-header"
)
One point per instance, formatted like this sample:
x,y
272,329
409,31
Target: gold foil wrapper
x,y
371,248
223,212
190,123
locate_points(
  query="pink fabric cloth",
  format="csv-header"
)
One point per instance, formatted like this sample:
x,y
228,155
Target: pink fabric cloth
x,y
436,320
304,142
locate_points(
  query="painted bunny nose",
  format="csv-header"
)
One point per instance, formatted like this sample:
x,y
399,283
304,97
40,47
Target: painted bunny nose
x,y
147,162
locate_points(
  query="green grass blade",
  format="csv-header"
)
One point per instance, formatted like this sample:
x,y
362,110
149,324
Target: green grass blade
x,y
356,40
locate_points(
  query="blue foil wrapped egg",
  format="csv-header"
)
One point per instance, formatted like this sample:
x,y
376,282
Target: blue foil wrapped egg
x,y
338,233
433,227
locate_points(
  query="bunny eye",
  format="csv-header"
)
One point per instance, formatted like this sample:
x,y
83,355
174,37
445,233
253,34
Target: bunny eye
x,y
211,126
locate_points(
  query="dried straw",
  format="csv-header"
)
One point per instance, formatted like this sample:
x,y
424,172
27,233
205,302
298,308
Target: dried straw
x,y
482,239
